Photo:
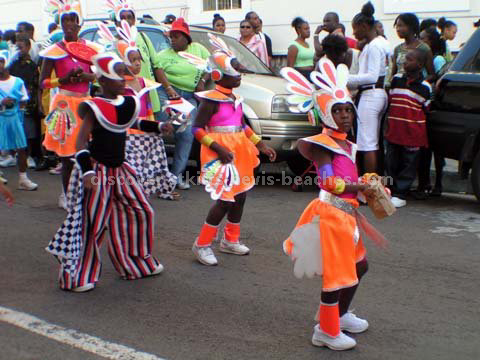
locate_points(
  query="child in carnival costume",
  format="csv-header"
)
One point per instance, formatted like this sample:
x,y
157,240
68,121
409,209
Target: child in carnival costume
x,y
13,95
144,151
326,240
72,78
226,140
104,190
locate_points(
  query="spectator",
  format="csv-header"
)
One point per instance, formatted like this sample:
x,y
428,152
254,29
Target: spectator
x,y
12,136
260,41
438,45
218,24
300,53
3,43
151,68
370,80
407,125
29,30
383,39
408,28
335,48
252,41
352,55
24,68
448,31
184,79
428,23
169,19
52,27
268,42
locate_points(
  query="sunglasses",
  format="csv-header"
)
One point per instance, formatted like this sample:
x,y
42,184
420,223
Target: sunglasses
x,y
245,27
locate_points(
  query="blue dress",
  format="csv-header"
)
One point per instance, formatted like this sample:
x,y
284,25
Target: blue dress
x,y
12,134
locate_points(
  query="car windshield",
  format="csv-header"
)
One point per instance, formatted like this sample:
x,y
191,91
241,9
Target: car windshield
x,y
160,42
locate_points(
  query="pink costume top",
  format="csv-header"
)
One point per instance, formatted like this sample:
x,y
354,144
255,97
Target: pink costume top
x,y
343,167
145,105
228,114
63,67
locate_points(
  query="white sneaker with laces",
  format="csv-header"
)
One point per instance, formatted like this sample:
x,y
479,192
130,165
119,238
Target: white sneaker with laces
x,y
339,342
9,161
233,248
27,184
351,323
62,201
398,203
31,163
204,255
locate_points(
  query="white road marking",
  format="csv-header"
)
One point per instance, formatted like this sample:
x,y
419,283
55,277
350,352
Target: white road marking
x,y
454,223
73,338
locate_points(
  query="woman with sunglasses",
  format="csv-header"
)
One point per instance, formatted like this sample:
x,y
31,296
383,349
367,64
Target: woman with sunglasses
x,y
252,41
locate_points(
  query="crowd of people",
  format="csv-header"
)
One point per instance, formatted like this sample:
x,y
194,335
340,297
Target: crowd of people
x,y
104,125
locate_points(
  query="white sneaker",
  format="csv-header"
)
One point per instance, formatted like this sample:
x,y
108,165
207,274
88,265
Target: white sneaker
x,y
398,203
62,201
183,185
8,162
31,163
84,288
57,170
158,270
204,254
233,248
2,179
27,184
339,342
351,323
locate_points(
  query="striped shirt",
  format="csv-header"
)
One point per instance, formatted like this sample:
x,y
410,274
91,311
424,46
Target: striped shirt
x,y
407,115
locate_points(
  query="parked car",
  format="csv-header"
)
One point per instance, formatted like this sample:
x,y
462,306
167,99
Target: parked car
x,y
454,122
265,104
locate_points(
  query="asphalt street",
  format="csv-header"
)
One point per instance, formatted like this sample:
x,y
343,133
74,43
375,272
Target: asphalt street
x,y
421,295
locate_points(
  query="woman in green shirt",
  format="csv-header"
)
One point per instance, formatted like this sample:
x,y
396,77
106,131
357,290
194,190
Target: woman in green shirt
x,y
185,79
151,68
300,53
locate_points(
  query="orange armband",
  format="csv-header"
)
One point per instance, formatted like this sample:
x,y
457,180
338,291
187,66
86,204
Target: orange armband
x,y
202,136
334,185
50,83
254,138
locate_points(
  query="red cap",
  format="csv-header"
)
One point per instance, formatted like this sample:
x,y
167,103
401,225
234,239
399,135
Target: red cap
x,y
182,26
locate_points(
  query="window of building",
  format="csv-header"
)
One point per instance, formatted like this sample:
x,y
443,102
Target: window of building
x,y
212,5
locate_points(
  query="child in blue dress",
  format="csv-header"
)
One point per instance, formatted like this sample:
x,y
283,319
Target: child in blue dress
x,y
12,134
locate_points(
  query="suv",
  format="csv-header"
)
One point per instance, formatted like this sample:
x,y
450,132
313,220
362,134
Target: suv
x,y
454,122
265,105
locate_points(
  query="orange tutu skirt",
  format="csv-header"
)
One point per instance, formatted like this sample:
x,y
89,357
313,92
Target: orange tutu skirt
x,y
63,124
339,250
245,159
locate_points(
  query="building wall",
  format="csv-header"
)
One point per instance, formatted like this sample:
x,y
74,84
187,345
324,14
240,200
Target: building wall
x,y
276,14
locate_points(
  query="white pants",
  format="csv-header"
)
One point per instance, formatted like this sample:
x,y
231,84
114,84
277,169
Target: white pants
x,y
371,108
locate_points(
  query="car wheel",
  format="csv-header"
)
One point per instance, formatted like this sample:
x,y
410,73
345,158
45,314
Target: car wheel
x,y
298,164
475,176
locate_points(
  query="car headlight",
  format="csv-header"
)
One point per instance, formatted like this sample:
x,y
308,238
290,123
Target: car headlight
x,y
280,104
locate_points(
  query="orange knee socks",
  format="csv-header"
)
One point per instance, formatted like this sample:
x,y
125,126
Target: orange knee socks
x,y
329,319
232,232
207,235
